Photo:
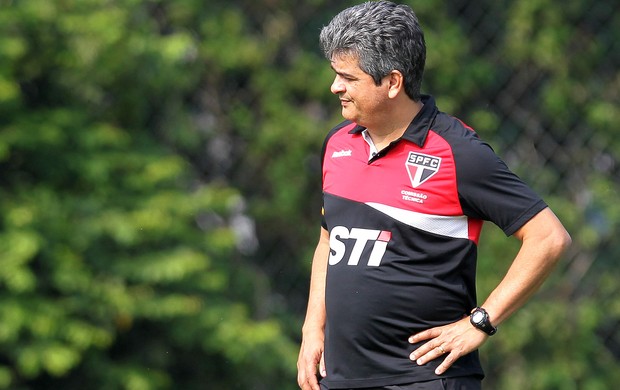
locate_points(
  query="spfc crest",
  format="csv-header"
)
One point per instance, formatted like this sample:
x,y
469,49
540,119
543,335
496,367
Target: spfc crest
x,y
421,167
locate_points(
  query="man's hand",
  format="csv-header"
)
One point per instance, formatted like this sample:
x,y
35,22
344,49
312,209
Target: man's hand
x,y
455,340
310,356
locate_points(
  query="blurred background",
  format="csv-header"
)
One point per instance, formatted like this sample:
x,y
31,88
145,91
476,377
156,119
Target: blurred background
x,y
160,184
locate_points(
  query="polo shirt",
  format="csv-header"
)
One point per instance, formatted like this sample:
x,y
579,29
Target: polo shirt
x,y
404,226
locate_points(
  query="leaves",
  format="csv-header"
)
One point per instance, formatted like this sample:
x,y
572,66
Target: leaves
x,y
160,183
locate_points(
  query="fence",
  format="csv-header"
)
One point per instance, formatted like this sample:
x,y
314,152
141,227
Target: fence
x,y
547,101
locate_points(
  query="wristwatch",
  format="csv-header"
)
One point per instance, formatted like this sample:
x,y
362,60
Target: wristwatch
x,y
480,319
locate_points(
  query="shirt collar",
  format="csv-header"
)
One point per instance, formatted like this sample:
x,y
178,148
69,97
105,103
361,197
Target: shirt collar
x,y
417,131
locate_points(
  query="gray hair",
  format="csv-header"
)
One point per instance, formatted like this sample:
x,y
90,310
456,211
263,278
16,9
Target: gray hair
x,y
384,37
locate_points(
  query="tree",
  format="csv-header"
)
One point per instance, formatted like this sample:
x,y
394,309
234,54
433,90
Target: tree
x,y
119,265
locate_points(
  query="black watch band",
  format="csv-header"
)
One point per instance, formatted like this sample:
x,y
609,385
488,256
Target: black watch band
x,y
479,318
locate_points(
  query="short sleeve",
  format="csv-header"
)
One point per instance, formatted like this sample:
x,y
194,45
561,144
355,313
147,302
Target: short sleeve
x,y
489,190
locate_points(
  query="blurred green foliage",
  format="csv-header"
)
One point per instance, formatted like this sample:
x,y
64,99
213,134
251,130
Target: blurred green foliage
x,y
160,184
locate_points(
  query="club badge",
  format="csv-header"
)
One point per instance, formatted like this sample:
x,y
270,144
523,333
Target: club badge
x,y
421,167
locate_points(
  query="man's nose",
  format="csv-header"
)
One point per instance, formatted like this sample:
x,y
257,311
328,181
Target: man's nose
x,y
337,86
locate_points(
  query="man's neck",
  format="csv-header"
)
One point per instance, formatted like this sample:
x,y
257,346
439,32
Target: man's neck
x,y
394,124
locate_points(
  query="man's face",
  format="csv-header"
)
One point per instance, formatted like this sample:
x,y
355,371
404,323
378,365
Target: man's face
x,y
360,97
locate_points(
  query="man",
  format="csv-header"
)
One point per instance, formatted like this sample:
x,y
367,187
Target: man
x,y
392,301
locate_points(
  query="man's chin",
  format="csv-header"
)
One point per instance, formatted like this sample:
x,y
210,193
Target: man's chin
x,y
346,114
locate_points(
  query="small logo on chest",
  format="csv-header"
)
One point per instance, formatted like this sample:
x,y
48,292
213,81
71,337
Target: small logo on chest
x,y
342,153
421,167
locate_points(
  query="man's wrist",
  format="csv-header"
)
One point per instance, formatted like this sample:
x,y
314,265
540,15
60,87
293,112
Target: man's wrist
x,y
309,329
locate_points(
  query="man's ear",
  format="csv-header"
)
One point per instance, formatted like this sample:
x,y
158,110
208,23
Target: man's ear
x,y
396,83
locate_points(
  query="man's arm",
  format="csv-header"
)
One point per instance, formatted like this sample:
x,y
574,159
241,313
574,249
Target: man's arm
x,y
543,239
311,351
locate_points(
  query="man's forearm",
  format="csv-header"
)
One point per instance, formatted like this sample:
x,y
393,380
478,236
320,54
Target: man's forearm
x,y
315,314
544,239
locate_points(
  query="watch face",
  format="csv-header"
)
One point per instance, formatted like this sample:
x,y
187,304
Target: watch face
x,y
477,317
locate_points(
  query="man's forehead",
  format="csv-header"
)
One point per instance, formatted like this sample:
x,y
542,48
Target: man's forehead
x,y
345,61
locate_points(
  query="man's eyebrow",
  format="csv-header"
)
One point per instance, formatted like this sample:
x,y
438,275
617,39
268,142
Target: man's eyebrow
x,y
343,74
